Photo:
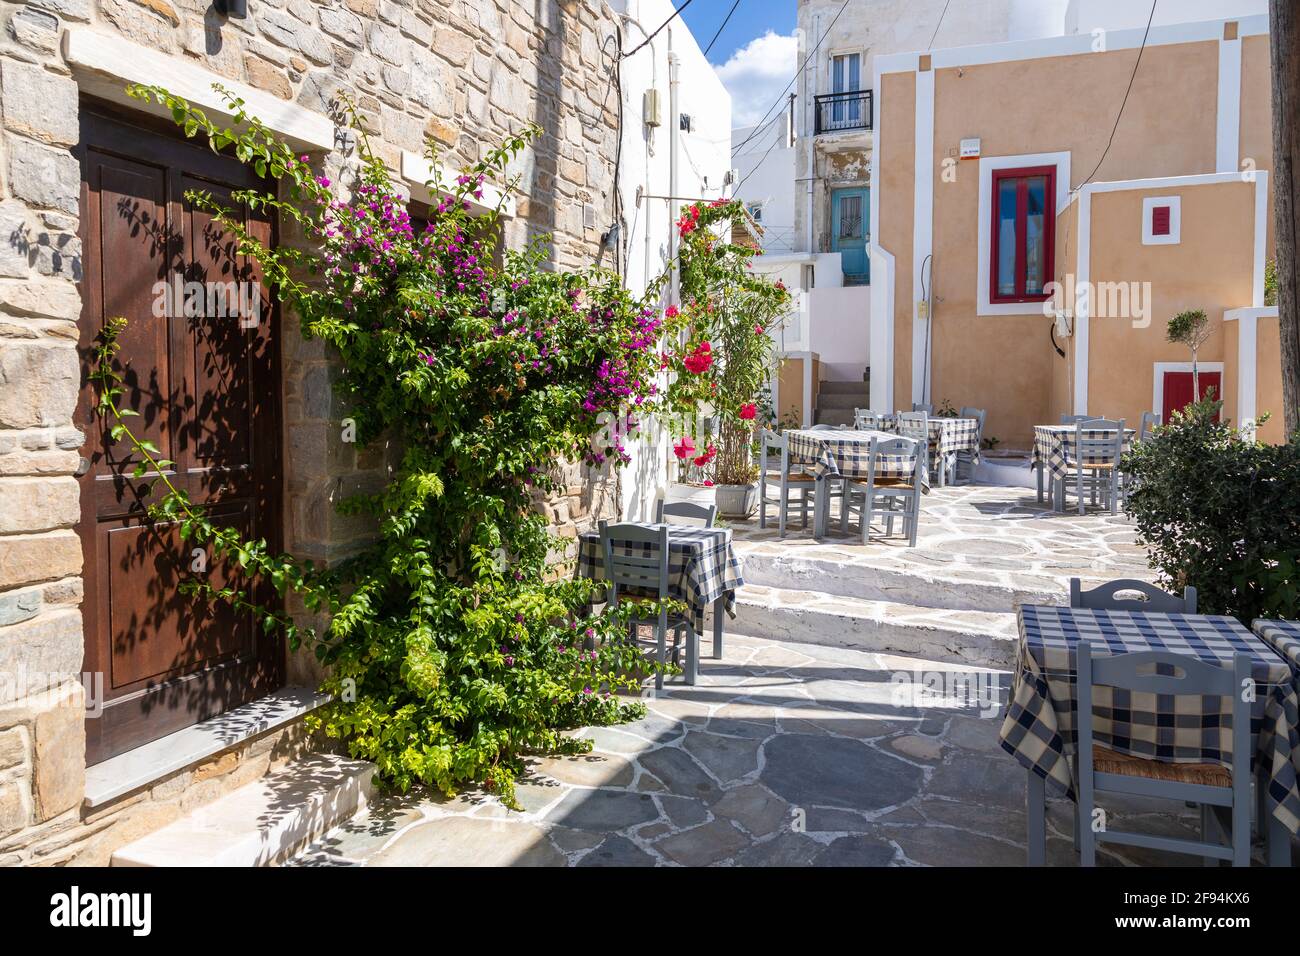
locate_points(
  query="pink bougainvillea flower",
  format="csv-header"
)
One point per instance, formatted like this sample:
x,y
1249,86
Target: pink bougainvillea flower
x,y
683,447
708,483
671,312
748,411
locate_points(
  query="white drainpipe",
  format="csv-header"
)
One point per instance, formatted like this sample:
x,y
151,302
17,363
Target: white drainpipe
x,y
673,133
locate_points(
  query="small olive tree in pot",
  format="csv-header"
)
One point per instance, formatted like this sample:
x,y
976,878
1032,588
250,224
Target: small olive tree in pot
x,y
1190,328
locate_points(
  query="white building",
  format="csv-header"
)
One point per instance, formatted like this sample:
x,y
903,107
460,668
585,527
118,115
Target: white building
x,y
675,149
764,160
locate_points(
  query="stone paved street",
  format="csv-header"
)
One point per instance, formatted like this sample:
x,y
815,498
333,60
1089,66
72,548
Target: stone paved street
x,y
784,754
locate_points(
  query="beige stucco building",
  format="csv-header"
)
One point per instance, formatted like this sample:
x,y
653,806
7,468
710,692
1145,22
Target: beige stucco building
x,y
994,179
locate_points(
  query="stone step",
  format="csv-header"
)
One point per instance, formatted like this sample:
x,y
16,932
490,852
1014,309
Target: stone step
x,y
852,388
909,586
849,400
262,823
980,638
833,416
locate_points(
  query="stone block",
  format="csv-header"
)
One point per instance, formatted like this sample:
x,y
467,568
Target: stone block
x,y
38,654
38,384
51,300
43,175
18,606
343,25
15,747
38,504
15,804
28,558
35,29
267,76
38,103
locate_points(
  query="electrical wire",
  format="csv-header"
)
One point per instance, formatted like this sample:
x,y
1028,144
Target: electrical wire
x,y
676,14
1120,114
721,28
938,25
811,52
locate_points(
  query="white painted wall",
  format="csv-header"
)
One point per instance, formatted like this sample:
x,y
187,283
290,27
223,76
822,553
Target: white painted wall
x,y
1084,16
703,159
840,330
766,175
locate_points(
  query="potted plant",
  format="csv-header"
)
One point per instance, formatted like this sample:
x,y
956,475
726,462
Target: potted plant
x,y
725,357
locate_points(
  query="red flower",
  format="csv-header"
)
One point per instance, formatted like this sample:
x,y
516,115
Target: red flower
x,y
700,359
671,312
683,447
758,330
748,411
707,483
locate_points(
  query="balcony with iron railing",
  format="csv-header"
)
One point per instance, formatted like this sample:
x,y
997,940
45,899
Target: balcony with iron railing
x,y
839,112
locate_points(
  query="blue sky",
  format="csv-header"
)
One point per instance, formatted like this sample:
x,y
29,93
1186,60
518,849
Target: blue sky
x,y
752,19
755,55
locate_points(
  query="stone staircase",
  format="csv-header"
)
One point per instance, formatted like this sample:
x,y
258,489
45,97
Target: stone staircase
x,y
837,400
899,612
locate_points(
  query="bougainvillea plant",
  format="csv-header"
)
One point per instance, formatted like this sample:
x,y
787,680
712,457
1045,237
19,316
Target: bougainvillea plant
x,y
725,358
453,646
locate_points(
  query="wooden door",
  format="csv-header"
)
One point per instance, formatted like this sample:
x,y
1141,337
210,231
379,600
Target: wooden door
x,y
1177,390
849,233
206,386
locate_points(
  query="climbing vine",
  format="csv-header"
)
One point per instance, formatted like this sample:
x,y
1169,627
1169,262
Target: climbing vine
x,y
454,649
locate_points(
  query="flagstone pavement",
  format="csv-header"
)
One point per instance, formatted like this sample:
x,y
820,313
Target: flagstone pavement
x,y
783,754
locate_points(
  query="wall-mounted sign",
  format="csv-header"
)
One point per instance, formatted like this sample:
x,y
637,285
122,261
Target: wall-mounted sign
x,y
970,148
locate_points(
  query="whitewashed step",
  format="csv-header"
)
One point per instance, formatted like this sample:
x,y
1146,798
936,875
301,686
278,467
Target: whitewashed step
x,y
894,585
262,823
983,638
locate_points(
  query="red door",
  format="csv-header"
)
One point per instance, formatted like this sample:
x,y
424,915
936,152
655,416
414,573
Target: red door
x,y
206,386
1178,390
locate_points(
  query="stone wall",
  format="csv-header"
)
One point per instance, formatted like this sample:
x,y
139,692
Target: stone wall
x,y
462,73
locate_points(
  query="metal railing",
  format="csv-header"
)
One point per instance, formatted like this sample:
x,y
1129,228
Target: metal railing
x,y
836,112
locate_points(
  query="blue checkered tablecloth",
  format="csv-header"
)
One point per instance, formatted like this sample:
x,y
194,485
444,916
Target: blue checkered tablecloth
x,y
1039,727
702,566
846,453
947,437
1054,446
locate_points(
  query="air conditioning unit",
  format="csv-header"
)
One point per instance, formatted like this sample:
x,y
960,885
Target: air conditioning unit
x,y
1064,324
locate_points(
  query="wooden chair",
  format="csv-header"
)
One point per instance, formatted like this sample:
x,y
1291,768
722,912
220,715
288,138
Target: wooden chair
x,y
1149,422
916,426
865,418
787,481
969,458
703,514
1073,419
647,576
923,407
1208,785
1093,462
1105,597
880,496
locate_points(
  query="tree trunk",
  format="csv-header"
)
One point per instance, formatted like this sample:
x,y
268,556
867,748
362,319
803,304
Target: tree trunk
x,y
1284,46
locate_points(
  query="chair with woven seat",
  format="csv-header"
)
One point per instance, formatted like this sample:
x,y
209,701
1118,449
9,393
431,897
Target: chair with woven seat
x,y
1092,462
701,515
645,576
887,498
1105,597
1208,785
786,480
865,418
970,457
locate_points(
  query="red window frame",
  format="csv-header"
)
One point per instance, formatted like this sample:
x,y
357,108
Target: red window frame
x,y
1022,208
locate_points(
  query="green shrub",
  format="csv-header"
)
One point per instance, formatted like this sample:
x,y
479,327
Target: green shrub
x,y
1220,512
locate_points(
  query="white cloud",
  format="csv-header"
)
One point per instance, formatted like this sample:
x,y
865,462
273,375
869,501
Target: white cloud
x,y
756,74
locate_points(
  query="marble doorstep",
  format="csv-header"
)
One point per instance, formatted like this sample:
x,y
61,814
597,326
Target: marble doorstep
x,y
152,761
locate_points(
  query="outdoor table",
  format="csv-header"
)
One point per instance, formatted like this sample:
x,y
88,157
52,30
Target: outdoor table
x,y
948,436
1039,727
831,453
703,570
1052,443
